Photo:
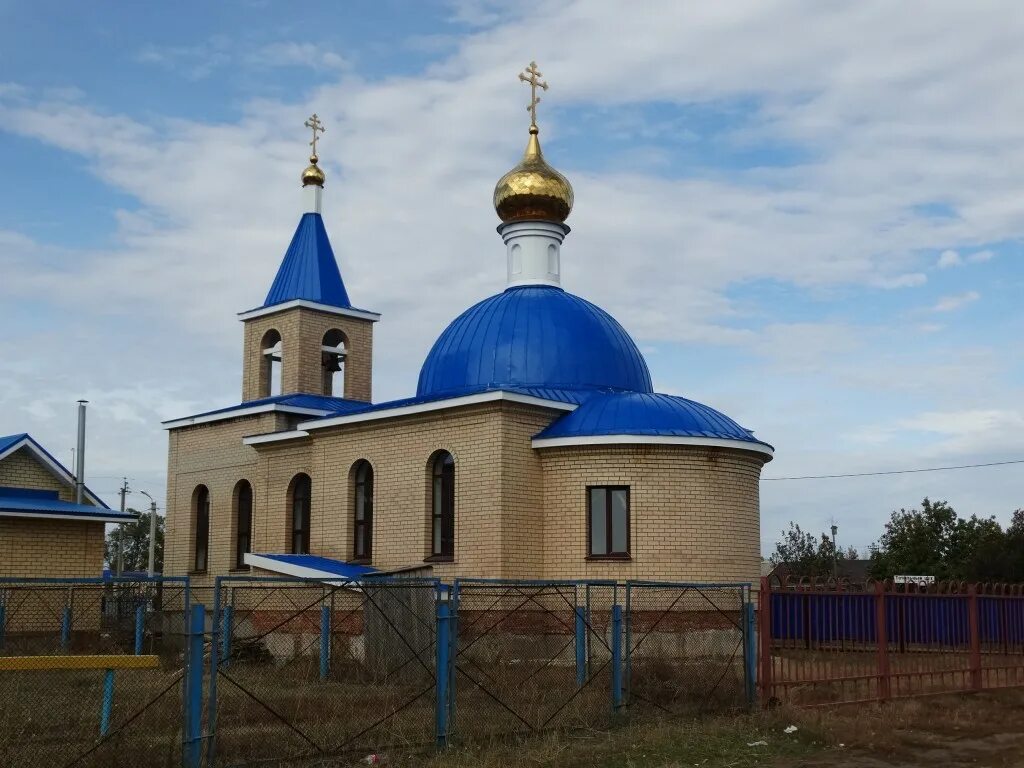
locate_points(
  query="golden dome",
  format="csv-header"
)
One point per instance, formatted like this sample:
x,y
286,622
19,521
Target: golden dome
x,y
313,174
533,190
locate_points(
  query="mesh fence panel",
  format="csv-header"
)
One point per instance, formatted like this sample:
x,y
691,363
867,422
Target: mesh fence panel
x,y
532,656
685,648
278,695
52,689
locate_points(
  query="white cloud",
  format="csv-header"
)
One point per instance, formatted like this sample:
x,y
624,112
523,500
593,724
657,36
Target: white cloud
x,y
949,259
288,54
952,303
980,257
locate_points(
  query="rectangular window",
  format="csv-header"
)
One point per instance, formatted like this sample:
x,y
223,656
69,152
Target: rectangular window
x,y
608,521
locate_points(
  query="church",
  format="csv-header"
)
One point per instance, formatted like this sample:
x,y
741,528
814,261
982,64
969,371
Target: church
x,y
535,446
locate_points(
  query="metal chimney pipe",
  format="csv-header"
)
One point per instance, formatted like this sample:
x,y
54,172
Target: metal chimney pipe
x,y
80,454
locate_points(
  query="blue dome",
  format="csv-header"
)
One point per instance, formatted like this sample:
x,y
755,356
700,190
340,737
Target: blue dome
x,y
533,336
647,414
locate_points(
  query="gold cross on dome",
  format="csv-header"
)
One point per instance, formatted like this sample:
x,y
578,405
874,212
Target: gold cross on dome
x,y
316,126
535,83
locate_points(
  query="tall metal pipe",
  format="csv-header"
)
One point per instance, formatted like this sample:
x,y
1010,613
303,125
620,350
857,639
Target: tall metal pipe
x,y
80,454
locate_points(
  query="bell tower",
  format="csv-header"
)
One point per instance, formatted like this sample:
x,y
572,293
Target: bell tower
x,y
307,338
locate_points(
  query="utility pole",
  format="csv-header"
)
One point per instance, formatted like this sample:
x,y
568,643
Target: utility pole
x,y
151,569
119,567
835,551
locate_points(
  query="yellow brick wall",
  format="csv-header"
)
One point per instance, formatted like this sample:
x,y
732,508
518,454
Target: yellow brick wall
x,y
302,331
34,547
51,548
694,512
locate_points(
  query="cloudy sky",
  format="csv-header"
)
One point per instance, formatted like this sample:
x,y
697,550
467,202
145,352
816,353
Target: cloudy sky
x,y
808,214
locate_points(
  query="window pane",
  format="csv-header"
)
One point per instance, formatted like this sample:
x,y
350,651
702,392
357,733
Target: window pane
x,y
437,536
360,502
360,541
620,521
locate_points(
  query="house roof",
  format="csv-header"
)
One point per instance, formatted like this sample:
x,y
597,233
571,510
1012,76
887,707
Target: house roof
x,y
300,404
29,503
9,444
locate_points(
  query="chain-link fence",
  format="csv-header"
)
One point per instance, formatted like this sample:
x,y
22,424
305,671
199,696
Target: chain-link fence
x,y
91,672
690,647
306,669
299,671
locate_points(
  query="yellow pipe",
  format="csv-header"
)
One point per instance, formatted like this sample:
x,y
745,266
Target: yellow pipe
x,y
46,663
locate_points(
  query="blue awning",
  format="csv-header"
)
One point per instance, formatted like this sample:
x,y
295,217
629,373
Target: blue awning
x,y
308,566
39,506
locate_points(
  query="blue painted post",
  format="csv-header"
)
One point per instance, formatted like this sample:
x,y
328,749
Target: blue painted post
x,y
749,651
227,622
3,624
325,641
581,648
65,628
616,657
442,672
453,658
108,702
194,687
140,627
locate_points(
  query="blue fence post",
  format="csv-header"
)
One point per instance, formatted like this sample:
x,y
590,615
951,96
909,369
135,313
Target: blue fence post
x,y
226,624
65,628
140,627
3,623
108,702
749,649
616,656
194,688
441,673
325,641
453,658
217,644
581,647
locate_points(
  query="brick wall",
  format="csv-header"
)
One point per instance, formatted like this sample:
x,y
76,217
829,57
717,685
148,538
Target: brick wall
x,y
302,332
38,547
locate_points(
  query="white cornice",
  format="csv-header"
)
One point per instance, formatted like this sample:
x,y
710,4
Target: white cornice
x,y
235,413
705,442
437,405
362,314
274,437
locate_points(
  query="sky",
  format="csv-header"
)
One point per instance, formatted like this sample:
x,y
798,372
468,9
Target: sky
x,y
808,214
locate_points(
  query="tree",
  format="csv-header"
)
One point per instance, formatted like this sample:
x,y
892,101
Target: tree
x,y
136,544
807,555
916,542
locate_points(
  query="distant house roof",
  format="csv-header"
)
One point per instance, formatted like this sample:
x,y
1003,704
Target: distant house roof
x,y
9,444
308,566
854,571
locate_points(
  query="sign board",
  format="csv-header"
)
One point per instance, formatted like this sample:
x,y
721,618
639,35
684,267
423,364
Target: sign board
x,y
920,580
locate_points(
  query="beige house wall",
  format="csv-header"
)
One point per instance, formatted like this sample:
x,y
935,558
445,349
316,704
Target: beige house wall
x,y
694,512
34,547
302,332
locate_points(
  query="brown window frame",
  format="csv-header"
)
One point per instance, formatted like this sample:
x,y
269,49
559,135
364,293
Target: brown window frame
x,y
609,554
202,539
243,533
442,470
301,518
363,478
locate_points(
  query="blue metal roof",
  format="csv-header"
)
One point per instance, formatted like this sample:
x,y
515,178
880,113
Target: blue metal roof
x,y
31,504
309,270
642,413
533,336
9,441
335,405
324,565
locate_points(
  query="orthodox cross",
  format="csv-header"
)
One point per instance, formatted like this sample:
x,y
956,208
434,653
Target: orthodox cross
x,y
535,82
316,126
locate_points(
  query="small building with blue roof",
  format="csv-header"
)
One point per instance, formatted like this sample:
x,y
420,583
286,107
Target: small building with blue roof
x,y
44,531
535,445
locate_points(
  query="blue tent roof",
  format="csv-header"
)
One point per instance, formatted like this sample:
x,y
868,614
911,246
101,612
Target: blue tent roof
x,y
643,413
533,336
309,270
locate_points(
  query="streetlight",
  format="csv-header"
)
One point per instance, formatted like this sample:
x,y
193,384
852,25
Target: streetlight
x,y
151,570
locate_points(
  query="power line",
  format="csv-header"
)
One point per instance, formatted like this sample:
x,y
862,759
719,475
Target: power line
x,y
898,471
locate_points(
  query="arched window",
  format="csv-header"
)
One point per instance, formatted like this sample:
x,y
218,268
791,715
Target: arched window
x,y
332,358
301,495
243,522
362,538
270,370
201,510
442,502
